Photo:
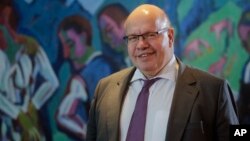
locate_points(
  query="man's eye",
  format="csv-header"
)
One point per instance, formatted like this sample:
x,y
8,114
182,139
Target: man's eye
x,y
132,38
151,35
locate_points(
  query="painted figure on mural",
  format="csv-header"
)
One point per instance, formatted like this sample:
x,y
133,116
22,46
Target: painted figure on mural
x,y
89,65
75,34
114,56
244,95
28,80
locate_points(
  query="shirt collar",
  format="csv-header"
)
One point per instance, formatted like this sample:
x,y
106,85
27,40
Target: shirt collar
x,y
169,72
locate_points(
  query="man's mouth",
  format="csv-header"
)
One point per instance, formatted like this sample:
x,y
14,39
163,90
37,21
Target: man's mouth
x,y
145,55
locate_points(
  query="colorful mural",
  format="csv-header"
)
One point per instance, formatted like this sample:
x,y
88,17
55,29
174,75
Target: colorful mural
x,y
54,52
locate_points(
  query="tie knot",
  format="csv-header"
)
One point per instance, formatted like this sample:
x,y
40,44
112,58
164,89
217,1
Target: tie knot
x,y
149,82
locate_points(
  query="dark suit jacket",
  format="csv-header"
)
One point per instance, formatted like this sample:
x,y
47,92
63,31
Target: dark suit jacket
x,y
203,107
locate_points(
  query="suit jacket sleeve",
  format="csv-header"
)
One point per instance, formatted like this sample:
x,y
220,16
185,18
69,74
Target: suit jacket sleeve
x,y
226,114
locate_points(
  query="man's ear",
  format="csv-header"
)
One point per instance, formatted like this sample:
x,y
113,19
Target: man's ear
x,y
171,36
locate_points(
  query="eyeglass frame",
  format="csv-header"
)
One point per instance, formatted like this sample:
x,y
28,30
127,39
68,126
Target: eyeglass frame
x,y
145,36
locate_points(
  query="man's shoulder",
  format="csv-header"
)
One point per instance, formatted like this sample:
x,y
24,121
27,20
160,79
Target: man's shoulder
x,y
201,74
124,73
121,76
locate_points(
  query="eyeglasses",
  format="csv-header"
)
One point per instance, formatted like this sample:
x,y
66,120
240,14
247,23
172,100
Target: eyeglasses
x,y
133,39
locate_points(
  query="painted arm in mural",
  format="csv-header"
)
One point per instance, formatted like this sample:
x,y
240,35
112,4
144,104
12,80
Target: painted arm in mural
x,y
40,75
48,87
68,117
6,106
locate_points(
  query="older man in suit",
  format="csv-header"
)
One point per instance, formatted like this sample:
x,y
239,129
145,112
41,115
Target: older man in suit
x,y
184,103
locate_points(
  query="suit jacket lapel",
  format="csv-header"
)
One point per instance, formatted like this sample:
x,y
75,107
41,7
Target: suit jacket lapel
x,y
185,94
115,98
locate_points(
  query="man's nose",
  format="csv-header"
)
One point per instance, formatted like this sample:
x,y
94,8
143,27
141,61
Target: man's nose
x,y
142,42
142,37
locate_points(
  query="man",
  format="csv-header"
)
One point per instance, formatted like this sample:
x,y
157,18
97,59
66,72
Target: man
x,y
184,103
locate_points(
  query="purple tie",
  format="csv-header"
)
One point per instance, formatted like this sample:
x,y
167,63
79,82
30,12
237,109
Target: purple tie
x,y
137,123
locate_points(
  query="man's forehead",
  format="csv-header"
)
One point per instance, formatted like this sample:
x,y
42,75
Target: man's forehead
x,y
147,13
